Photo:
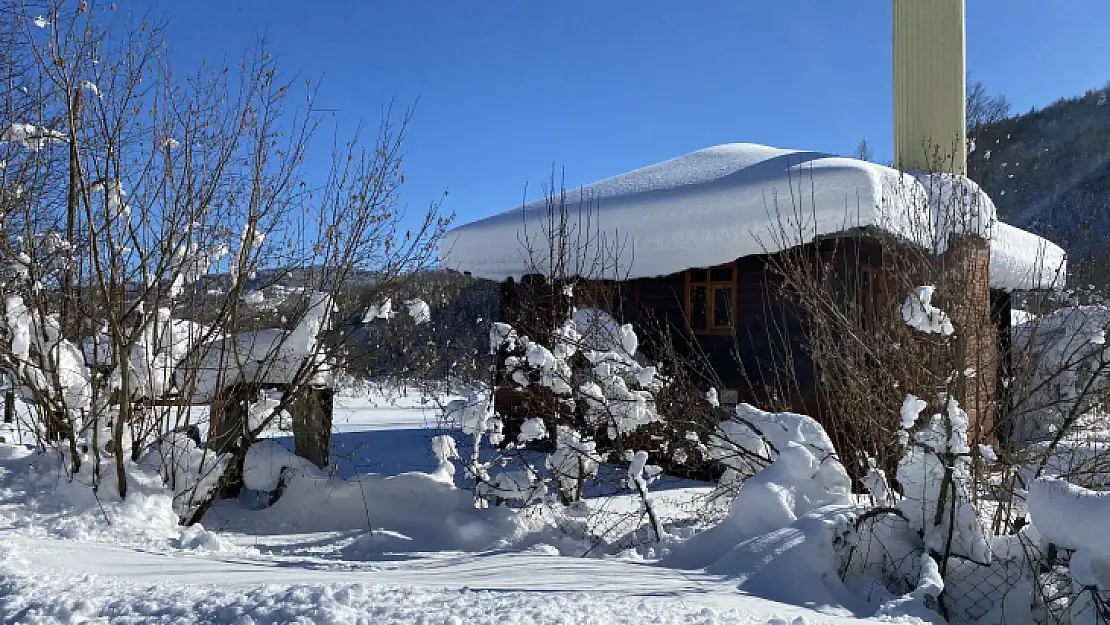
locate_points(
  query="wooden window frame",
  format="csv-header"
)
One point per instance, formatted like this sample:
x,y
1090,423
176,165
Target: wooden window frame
x,y
711,327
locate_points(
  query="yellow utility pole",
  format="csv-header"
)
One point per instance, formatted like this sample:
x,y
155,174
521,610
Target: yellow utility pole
x,y
929,86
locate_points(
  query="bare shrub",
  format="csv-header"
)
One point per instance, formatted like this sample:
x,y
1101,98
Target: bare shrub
x,y
146,215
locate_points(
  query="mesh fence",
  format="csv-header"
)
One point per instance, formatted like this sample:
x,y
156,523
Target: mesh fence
x,y
1023,582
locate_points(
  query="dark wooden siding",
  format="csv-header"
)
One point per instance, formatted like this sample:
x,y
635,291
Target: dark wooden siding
x,y
766,358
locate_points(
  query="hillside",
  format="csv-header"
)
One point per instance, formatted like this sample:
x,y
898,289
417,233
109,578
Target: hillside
x,y
1049,172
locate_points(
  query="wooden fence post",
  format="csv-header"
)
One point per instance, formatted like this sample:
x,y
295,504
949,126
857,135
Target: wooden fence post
x,y
312,418
9,406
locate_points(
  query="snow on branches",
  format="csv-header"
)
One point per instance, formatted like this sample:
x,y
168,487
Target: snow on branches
x,y
918,312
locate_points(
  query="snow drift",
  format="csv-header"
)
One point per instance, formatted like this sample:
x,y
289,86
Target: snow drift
x,y
782,523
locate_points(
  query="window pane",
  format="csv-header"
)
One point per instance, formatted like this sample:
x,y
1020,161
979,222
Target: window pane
x,y
722,307
721,274
699,307
697,275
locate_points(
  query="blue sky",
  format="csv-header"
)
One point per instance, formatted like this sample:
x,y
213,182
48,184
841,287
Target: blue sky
x,y
600,87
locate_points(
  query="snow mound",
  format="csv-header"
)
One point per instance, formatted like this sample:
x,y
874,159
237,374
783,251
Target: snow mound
x,y
190,473
804,475
717,204
265,461
1070,516
196,538
410,512
795,564
1076,518
41,499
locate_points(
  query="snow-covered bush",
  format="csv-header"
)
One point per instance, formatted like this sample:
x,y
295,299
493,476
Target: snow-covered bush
x,y
598,386
574,461
190,473
738,445
802,481
50,367
804,474
588,393
935,474
596,373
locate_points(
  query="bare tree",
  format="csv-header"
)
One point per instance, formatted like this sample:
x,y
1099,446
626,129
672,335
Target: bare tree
x,y
148,208
983,108
863,150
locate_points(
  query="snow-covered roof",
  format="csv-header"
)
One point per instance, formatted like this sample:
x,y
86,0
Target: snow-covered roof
x,y
717,204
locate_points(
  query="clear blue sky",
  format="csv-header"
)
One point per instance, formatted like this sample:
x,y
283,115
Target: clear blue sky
x,y
600,87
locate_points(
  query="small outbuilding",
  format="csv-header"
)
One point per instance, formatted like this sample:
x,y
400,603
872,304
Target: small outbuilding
x,y
697,243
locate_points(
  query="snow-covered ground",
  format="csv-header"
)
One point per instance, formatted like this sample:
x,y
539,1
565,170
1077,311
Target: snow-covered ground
x,y
49,580
336,551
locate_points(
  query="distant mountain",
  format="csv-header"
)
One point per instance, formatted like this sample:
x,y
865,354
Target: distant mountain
x,y
1048,171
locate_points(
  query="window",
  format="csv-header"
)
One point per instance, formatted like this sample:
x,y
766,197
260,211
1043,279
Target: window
x,y
711,298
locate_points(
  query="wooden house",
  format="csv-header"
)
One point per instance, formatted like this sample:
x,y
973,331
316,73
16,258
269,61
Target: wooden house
x,y
695,241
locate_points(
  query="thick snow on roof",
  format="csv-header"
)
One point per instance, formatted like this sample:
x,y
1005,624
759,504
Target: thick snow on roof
x,y
715,205
1023,260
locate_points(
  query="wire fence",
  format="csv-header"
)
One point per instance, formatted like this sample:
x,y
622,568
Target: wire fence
x,y
1024,582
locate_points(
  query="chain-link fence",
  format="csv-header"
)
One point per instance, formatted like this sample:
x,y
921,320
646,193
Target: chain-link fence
x,y
1024,581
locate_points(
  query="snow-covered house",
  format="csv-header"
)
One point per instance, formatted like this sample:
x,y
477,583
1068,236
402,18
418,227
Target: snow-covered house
x,y
691,240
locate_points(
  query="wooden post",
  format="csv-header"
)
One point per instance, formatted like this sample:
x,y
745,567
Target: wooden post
x,y
9,406
228,418
312,418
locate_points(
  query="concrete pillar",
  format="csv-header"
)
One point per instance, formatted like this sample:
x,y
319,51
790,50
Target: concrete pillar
x,y
929,86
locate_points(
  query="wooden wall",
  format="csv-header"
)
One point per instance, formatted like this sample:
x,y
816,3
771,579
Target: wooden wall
x,y
765,359
768,336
